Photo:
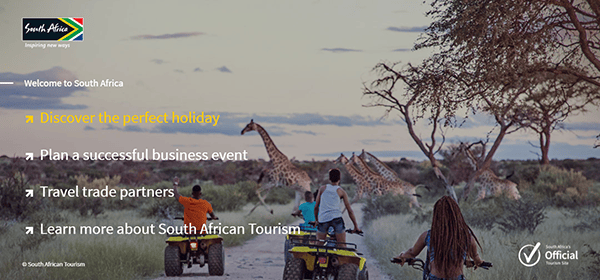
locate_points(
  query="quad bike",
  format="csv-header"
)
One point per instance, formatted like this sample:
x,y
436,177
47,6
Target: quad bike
x,y
424,266
306,233
194,249
310,260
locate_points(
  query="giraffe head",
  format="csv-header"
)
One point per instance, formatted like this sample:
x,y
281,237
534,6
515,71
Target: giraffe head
x,y
363,155
354,158
341,159
249,127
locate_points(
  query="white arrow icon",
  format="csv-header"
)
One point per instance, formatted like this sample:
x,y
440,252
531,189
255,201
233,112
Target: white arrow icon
x,y
29,230
29,156
29,193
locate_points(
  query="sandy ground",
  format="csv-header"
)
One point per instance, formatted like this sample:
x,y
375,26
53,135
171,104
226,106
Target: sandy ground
x,y
262,258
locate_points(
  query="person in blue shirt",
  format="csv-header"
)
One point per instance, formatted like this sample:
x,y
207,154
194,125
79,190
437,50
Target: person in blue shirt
x,y
307,209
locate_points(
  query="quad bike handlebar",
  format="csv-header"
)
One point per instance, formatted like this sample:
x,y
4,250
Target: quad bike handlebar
x,y
207,218
351,231
419,264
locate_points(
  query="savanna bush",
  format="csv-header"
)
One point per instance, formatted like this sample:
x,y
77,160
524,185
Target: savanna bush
x,y
564,188
385,205
482,214
526,213
14,204
224,197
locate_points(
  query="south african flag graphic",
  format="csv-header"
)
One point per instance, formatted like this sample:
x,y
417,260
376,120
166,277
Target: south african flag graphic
x,y
77,33
53,29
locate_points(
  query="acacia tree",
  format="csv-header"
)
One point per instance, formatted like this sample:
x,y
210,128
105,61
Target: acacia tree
x,y
549,104
504,54
421,99
578,21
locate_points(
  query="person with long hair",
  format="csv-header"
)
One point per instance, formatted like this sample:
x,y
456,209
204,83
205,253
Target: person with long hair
x,y
450,241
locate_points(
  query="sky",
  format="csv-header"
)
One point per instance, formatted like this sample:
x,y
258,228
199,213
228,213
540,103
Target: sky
x,y
295,67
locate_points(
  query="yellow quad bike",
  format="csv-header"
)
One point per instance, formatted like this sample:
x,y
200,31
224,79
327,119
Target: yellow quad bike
x,y
325,262
194,249
306,233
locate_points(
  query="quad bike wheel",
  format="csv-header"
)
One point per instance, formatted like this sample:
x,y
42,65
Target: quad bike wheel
x,y
173,267
294,269
348,271
363,274
216,259
287,255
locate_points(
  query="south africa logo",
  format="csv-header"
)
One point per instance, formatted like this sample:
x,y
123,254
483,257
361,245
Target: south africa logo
x,y
52,29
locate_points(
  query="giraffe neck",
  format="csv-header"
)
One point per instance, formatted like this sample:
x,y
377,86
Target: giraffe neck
x,y
365,168
352,170
382,167
470,158
276,156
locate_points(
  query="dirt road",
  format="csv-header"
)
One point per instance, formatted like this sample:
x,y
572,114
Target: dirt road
x,y
262,258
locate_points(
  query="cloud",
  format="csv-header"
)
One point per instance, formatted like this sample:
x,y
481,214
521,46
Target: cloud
x,y
233,123
128,128
585,126
557,151
318,119
373,141
134,128
418,29
401,50
18,96
197,69
166,36
158,61
224,69
87,127
339,50
304,132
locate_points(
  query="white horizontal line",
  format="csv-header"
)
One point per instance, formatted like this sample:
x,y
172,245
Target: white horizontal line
x,y
7,83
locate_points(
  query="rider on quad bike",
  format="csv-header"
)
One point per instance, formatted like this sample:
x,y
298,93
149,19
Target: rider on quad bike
x,y
328,258
195,208
307,212
327,209
195,245
307,229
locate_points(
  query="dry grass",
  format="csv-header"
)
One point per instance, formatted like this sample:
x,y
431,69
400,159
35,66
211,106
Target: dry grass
x,y
390,235
109,256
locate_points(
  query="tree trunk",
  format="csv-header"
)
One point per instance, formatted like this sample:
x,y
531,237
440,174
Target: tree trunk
x,y
545,147
488,160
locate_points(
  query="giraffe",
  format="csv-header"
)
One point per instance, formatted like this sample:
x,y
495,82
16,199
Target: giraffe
x,y
387,172
282,169
488,181
361,182
385,186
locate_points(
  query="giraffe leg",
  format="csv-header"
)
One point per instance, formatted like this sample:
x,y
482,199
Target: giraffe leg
x,y
297,200
482,193
262,199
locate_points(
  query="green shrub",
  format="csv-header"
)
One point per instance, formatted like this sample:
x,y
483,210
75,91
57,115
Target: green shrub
x,y
385,205
14,204
564,188
162,208
482,214
280,195
588,217
422,216
524,214
225,197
